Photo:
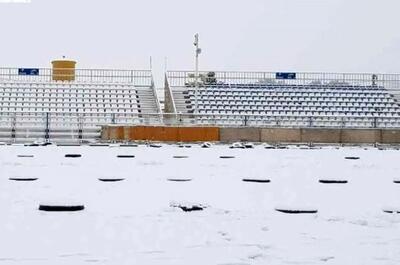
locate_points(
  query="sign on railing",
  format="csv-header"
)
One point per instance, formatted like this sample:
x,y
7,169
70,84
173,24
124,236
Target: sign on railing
x,y
290,76
136,77
389,81
28,71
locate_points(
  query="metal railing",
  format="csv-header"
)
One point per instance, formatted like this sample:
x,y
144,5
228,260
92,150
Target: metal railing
x,y
77,127
66,126
54,120
154,91
282,121
74,120
183,78
136,77
169,100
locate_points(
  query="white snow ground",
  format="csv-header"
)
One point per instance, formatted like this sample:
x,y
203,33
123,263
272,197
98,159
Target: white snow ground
x,y
132,221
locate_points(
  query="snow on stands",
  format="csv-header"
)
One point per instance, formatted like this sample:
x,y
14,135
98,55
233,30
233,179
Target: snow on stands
x,y
216,218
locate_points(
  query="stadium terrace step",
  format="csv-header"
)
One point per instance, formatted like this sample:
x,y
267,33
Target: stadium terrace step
x,y
287,105
43,109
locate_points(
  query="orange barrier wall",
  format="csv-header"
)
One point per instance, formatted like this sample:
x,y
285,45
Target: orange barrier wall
x,y
161,133
189,134
113,133
271,135
153,133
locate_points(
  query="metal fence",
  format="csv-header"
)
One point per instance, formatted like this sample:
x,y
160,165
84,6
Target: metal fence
x,y
281,121
182,78
73,121
65,126
136,77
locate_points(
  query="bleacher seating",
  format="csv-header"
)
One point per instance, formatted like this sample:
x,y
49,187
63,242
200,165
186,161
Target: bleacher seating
x,y
69,108
329,105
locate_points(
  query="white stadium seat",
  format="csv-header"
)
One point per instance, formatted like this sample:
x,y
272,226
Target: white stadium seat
x,y
74,106
327,105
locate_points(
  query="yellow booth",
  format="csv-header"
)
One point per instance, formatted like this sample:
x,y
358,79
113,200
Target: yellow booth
x,y
63,70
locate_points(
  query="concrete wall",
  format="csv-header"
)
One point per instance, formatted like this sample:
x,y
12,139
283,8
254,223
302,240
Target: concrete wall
x,y
360,136
168,98
320,135
390,136
277,135
240,134
272,135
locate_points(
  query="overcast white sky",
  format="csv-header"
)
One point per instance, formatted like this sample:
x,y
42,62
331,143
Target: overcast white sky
x,y
259,35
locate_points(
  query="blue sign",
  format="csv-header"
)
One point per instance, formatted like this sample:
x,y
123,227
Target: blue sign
x,y
28,71
285,75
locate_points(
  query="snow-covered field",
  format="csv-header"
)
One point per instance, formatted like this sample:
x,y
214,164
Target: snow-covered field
x,y
133,221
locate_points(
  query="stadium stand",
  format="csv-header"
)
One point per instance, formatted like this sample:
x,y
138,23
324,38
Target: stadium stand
x,y
37,107
301,100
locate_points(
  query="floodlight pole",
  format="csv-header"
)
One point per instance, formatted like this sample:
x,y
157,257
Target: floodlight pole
x,y
196,81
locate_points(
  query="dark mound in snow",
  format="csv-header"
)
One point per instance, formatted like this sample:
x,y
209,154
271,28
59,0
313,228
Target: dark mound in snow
x,y
352,157
392,211
180,157
332,181
32,145
179,180
111,179
128,145
396,181
257,180
125,156
248,145
282,147
23,179
296,211
73,155
61,208
205,145
226,157
189,207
